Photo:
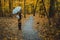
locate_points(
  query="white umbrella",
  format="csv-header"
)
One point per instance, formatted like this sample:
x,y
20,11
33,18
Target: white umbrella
x,y
16,10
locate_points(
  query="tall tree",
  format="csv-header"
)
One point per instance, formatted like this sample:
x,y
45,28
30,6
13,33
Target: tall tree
x,y
24,9
10,5
32,9
52,8
35,7
42,8
1,11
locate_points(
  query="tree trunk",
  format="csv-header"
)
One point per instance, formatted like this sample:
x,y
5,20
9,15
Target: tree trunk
x,y
10,6
1,11
35,8
52,8
24,9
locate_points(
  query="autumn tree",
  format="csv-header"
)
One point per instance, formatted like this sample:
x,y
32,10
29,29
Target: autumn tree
x,y
24,9
1,11
10,5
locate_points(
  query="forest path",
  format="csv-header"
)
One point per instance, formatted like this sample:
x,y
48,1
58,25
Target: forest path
x,y
28,31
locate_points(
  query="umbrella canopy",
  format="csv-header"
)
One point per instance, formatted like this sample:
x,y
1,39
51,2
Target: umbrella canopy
x,y
16,10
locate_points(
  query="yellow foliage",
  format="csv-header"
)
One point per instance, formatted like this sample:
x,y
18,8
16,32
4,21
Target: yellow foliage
x,y
15,3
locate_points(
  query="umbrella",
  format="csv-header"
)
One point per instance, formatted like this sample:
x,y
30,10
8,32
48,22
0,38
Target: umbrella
x,y
16,10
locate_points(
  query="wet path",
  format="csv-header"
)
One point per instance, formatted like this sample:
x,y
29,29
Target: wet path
x,y
28,31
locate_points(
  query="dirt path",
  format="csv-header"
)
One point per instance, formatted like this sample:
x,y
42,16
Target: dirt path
x,y
28,31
